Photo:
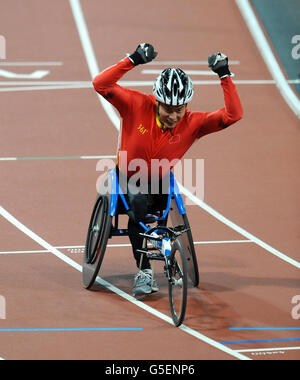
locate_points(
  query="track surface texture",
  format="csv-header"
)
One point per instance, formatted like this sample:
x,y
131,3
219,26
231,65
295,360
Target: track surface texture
x,y
54,130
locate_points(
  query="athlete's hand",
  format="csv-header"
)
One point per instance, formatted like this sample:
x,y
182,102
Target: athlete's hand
x,y
218,62
144,53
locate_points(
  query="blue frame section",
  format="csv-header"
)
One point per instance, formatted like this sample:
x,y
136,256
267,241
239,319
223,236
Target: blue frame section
x,y
177,195
116,191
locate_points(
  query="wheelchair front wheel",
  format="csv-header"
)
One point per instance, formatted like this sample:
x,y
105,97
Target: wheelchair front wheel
x,y
178,282
187,243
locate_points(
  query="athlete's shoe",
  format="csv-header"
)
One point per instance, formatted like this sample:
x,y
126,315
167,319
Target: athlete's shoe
x,y
143,283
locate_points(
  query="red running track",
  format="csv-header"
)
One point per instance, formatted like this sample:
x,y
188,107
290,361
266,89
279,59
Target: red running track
x,y
250,179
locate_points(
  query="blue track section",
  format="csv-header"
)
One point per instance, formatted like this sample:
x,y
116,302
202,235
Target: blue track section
x,y
281,20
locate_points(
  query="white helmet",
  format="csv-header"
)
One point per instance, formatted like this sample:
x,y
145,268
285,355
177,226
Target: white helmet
x,y
173,87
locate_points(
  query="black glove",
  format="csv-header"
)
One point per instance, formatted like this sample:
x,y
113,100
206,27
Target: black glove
x,y
218,62
144,53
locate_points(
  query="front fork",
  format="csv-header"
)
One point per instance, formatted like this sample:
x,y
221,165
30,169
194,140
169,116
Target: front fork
x,y
168,268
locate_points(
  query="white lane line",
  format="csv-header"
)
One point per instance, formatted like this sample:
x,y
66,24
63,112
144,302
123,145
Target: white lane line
x,y
88,85
37,74
188,72
38,88
90,55
92,63
222,242
57,158
268,56
37,239
114,289
46,83
237,228
121,245
97,157
22,252
188,63
31,63
210,82
269,349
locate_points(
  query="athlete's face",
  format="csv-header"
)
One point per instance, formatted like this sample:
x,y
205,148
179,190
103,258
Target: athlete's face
x,y
170,116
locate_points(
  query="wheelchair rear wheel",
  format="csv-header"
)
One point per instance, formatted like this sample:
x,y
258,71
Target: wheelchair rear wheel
x,y
96,242
179,282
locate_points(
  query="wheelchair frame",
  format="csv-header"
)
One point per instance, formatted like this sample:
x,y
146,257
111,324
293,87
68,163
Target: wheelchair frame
x,y
102,228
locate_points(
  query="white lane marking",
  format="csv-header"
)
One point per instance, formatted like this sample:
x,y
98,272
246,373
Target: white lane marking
x,y
188,63
96,157
92,63
222,242
188,72
38,88
210,82
90,55
169,320
57,158
37,239
268,56
237,228
114,289
46,83
123,245
22,252
88,84
38,74
14,87
30,63
269,349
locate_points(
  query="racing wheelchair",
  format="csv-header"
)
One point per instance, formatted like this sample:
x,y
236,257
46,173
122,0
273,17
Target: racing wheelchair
x,y
170,242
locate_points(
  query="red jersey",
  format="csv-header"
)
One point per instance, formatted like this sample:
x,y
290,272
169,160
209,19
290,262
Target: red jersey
x,y
140,135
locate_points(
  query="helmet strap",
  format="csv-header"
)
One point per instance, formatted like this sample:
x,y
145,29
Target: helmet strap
x,y
160,124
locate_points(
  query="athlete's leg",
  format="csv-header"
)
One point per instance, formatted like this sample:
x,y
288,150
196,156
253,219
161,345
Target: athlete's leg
x,y
136,241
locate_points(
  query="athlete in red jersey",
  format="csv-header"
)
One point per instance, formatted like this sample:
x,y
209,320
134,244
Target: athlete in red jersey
x,y
159,126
